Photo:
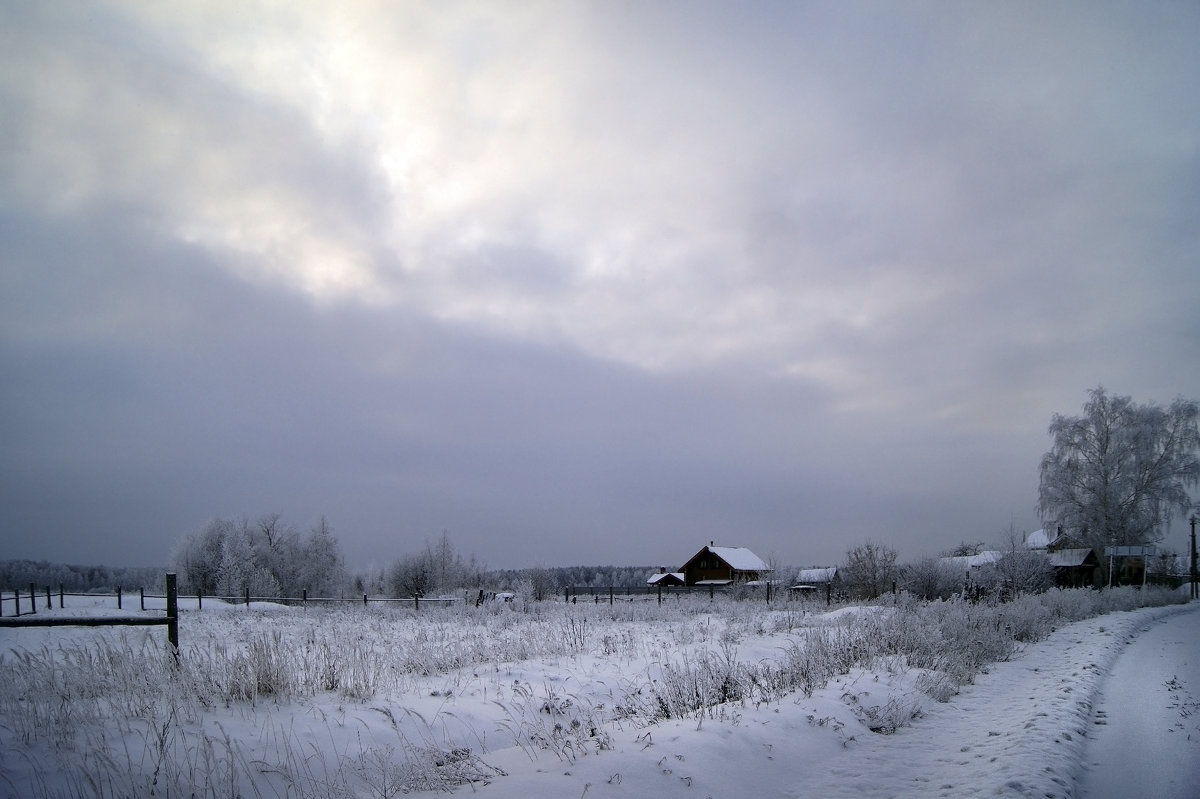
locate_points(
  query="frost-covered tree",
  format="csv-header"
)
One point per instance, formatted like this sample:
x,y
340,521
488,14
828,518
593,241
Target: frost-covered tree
x,y
870,569
1120,472
197,557
411,575
930,578
321,570
267,558
1025,571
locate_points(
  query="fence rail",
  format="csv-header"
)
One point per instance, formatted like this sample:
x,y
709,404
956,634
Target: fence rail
x,y
15,604
26,605
170,621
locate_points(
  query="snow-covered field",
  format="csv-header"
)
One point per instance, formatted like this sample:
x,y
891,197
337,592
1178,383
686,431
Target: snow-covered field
x,y
689,699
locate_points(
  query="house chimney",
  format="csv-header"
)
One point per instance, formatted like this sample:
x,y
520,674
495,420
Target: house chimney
x,y
712,543
662,569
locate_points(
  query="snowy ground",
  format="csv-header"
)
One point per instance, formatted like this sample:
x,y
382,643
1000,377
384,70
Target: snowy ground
x,y
545,713
1023,729
1146,741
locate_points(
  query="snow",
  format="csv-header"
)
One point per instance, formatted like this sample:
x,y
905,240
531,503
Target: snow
x,y
987,557
740,558
1147,719
1026,727
822,576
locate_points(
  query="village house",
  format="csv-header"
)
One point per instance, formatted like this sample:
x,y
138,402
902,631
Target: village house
x,y
1074,566
718,566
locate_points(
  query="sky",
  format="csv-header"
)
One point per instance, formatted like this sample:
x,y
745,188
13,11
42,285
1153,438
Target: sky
x,y
580,283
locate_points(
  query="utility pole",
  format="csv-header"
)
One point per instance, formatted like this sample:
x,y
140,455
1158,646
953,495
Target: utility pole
x,y
1195,593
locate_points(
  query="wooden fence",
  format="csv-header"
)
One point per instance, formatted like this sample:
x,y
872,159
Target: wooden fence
x,y
15,604
765,591
170,621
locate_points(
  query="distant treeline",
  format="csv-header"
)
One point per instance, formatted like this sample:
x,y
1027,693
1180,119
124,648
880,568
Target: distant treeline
x,y
560,577
20,574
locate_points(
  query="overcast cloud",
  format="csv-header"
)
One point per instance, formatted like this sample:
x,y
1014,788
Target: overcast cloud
x,y
580,283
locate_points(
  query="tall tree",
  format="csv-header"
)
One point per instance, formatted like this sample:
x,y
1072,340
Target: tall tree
x,y
1119,473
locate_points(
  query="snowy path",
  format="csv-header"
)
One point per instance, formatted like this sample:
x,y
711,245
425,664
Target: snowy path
x,y
1147,738
1021,731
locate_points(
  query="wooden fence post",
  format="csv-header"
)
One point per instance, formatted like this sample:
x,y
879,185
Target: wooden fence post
x,y
49,603
610,595
142,596
247,597
172,616
60,597
118,597
364,600
304,598
199,600
32,599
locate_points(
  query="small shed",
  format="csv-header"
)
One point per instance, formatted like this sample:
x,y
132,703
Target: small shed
x,y
665,578
816,582
1076,568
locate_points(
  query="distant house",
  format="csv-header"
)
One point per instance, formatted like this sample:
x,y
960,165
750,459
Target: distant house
x,y
665,578
716,566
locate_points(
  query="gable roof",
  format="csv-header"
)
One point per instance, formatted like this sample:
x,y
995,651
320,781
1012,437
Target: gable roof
x,y
668,576
740,558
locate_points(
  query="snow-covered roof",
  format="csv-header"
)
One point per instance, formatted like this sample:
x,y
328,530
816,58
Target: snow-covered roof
x,y
826,575
740,558
714,582
1069,557
1038,539
985,558
659,576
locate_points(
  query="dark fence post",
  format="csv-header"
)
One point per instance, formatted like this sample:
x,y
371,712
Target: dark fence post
x,y
364,600
118,597
199,600
304,598
416,603
60,597
142,596
247,597
49,603
173,616
768,592
660,594
567,595
32,599
610,595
